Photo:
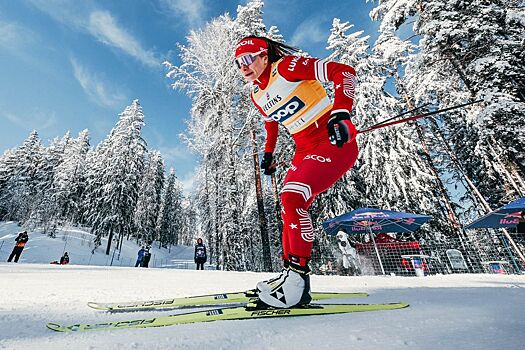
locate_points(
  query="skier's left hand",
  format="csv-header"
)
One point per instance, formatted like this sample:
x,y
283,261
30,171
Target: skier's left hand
x,y
268,164
341,129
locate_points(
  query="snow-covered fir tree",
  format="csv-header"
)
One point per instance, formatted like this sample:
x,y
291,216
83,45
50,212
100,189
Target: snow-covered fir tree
x,y
149,200
395,176
467,51
471,50
113,178
69,179
219,132
21,179
45,210
171,217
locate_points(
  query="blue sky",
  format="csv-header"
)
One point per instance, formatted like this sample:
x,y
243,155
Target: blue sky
x,y
76,64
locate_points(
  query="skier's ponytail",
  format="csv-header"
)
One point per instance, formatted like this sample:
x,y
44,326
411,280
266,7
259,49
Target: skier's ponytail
x,y
276,50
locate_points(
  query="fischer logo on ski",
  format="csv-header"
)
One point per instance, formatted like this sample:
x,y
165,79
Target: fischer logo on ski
x,y
271,312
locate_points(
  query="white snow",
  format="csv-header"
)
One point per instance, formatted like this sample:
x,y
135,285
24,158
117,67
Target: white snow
x,y
78,243
446,312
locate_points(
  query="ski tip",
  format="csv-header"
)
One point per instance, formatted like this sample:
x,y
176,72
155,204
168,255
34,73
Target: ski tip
x,y
93,305
98,306
55,327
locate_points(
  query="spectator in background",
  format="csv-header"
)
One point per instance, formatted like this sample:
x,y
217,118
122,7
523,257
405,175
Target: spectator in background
x,y
350,259
64,260
21,241
140,257
200,254
147,257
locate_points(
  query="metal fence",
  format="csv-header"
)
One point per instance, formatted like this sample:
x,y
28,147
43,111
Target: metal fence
x,y
419,258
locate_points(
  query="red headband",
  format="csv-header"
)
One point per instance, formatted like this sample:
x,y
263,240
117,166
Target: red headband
x,y
250,45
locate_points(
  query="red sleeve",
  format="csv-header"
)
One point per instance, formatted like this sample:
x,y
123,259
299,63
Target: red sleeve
x,y
295,68
272,130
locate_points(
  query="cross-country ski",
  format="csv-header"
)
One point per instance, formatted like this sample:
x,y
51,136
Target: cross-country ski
x,y
223,314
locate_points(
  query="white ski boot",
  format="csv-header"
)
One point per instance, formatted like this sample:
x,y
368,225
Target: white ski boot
x,y
269,284
292,288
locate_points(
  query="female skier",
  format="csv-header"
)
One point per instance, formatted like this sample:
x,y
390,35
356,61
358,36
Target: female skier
x,y
287,89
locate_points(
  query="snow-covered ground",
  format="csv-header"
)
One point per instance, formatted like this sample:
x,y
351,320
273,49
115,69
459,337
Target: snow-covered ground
x,y
446,312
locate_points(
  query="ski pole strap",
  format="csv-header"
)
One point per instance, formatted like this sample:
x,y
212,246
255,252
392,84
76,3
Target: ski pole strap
x,y
384,124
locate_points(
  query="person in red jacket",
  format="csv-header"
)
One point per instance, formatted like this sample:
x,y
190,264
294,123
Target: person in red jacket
x,y
288,90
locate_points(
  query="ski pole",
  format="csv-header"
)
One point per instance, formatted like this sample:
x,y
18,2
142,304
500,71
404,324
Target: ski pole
x,y
400,115
383,124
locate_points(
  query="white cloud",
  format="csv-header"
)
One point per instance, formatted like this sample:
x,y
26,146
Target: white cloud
x,y
309,31
104,27
83,16
14,36
95,87
193,11
36,120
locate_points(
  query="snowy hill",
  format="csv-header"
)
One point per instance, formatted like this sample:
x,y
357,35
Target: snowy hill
x,y
446,312
78,243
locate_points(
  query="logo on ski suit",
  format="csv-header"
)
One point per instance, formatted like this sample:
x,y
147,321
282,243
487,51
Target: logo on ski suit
x,y
288,110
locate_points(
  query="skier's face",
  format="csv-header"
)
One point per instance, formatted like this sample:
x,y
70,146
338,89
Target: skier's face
x,y
253,71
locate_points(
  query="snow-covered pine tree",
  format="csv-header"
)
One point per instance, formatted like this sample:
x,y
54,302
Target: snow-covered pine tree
x,y
390,165
22,181
8,163
189,229
249,21
45,211
149,200
171,218
396,52
471,50
218,132
113,178
69,179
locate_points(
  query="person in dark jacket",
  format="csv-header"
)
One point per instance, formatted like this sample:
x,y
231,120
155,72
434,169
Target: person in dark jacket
x,y
21,241
140,257
147,257
64,260
200,254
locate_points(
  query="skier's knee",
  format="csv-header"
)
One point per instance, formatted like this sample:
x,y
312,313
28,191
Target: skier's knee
x,y
290,200
295,195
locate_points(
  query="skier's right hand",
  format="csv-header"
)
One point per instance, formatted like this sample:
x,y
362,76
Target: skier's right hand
x,y
267,164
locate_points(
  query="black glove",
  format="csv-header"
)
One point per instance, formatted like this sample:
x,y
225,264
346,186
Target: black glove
x,y
338,131
267,164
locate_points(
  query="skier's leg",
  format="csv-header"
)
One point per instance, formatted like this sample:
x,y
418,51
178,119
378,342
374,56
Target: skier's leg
x,y
17,253
267,284
13,252
314,174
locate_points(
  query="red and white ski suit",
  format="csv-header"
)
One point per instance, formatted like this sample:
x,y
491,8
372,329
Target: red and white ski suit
x,y
289,92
